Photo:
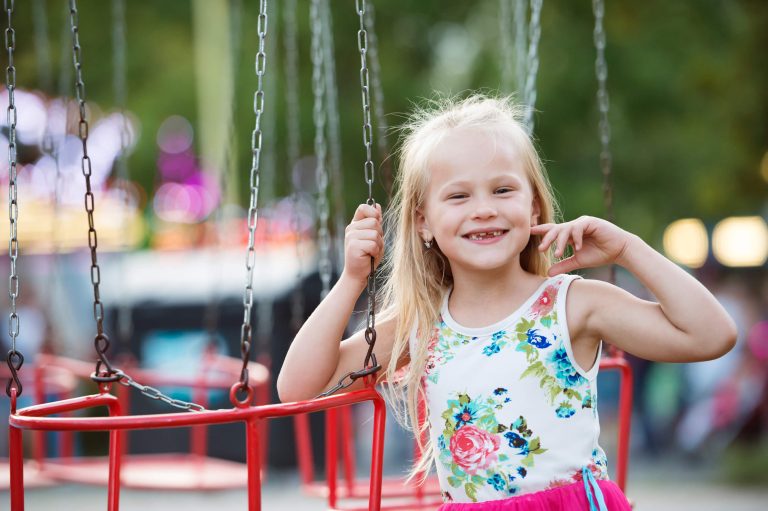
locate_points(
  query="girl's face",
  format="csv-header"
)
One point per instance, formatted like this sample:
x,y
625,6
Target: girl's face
x,y
479,204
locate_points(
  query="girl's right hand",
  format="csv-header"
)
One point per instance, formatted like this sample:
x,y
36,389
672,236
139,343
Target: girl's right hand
x,y
363,239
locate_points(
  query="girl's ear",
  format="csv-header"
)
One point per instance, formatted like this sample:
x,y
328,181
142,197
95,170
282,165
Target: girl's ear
x,y
535,212
422,227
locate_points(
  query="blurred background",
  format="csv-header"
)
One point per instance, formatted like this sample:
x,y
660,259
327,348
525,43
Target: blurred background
x,y
170,88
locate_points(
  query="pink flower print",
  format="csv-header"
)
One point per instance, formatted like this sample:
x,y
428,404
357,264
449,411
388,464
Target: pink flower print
x,y
545,302
473,449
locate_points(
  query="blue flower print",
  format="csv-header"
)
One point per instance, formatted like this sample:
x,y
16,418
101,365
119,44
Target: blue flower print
x,y
491,349
565,410
496,481
564,370
522,471
517,441
497,336
536,339
499,391
441,442
465,415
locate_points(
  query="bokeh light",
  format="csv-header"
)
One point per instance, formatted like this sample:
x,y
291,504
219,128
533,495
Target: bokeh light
x,y
741,241
686,242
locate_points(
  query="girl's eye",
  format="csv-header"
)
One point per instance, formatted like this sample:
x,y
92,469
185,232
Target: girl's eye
x,y
504,189
457,196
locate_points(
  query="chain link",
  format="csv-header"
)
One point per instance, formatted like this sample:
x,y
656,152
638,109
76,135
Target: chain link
x,y
521,38
246,334
370,364
505,47
14,359
153,393
319,117
101,341
293,148
334,134
603,106
378,101
530,93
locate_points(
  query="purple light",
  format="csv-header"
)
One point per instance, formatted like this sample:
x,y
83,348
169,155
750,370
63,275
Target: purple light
x,y
175,135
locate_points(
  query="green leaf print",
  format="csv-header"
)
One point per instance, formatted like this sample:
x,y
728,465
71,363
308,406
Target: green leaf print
x,y
471,491
546,321
523,326
463,399
554,391
534,444
457,471
572,394
453,481
501,428
528,460
536,369
476,479
503,457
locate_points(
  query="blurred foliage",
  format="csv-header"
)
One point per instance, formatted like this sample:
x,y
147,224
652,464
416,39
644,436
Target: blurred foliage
x,y
689,96
746,464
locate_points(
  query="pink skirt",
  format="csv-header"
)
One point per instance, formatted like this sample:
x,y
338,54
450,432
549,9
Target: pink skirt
x,y
572,497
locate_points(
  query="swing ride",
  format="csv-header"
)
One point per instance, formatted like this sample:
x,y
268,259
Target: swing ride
x,y
245,381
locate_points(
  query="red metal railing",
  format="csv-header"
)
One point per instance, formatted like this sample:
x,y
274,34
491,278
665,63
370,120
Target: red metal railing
x,y
619,363
191,470
38,418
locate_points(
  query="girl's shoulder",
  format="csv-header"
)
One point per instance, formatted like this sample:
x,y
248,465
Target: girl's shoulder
x,y
584,298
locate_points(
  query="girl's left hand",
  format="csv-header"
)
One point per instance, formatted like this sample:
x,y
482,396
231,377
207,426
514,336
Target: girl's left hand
x,y
595,242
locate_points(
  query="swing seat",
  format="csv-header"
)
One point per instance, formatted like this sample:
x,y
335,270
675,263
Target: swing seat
x,y
39,418
193,471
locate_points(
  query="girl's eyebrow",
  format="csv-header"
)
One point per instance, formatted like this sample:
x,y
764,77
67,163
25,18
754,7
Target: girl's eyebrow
x,y
494,179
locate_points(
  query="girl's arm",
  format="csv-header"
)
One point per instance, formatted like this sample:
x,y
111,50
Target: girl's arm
x,y
318,358
686,325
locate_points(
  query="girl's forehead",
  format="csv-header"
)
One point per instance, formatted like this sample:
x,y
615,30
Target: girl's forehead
x,y
465,152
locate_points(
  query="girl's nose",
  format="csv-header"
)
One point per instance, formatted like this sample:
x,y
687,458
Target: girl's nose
x,y
483,210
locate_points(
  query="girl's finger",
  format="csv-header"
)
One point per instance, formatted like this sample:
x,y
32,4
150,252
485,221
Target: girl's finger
x,y
562,241
578,237
548,238
541,229
567,265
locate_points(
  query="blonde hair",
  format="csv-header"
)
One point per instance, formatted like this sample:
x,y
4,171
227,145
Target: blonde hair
x,y
416,280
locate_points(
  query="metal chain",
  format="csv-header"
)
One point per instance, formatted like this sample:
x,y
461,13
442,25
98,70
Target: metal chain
x,y
521,38
505,21
101,341
41,45
334,134
154,393
319,117
291,71
246,333
370,364
529,94
603,105
378,101
124,321
14,358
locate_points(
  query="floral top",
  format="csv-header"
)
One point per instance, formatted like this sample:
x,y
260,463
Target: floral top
x,y
510,411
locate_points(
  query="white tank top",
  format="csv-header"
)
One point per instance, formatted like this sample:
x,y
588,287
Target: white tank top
x,y
510,410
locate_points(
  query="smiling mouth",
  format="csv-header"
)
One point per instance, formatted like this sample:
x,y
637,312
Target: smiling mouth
x,y
478,236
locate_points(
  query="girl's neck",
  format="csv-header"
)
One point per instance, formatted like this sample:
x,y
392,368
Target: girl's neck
x,y
483,298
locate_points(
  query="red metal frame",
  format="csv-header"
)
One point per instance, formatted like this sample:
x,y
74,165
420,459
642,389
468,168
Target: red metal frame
x,y
37,418
339,448
618,362
192,471
59,383
340,423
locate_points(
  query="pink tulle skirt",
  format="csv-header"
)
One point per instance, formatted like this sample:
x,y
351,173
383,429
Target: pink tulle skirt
x,y
572,497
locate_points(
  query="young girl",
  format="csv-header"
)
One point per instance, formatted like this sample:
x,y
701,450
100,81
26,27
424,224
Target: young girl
x,y
502,345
